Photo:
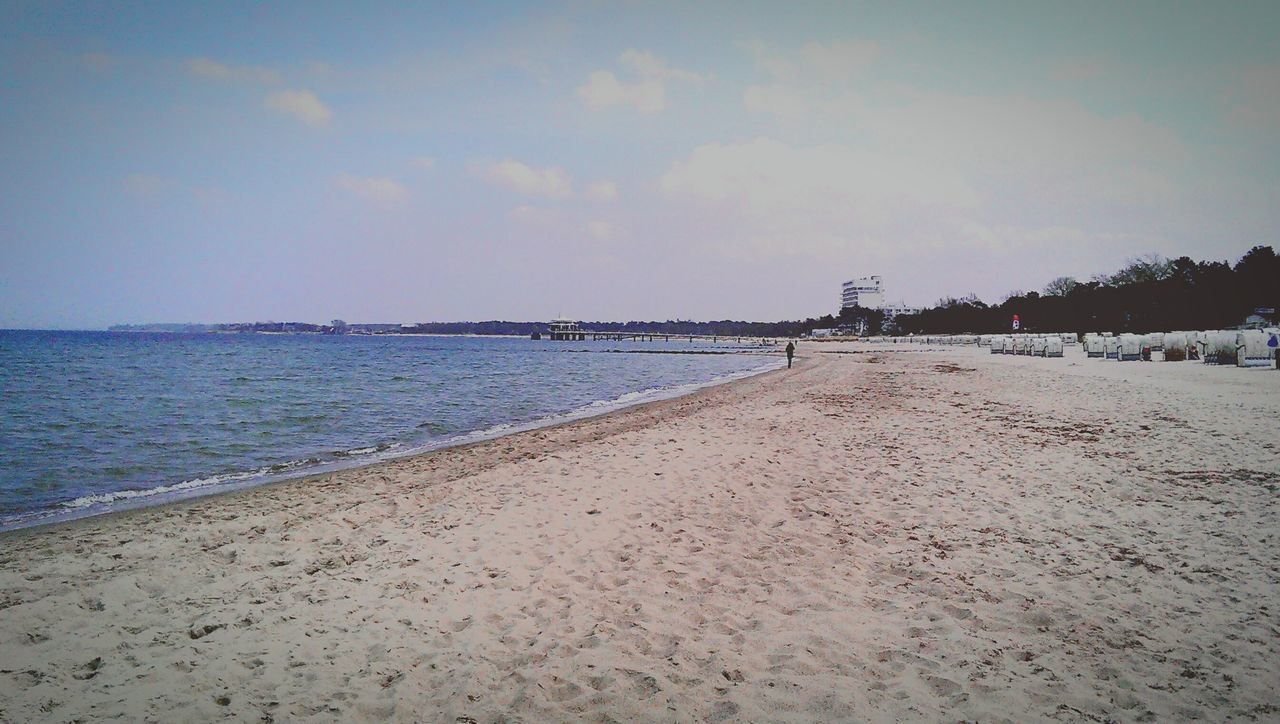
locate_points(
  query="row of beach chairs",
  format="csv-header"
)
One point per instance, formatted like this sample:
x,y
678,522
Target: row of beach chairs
x,y
1239,347
1034,345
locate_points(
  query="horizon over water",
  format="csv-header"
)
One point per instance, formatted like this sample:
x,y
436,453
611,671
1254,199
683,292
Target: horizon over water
x,y
99,421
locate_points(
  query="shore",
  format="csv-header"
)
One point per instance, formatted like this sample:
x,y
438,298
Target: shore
x,y
876,535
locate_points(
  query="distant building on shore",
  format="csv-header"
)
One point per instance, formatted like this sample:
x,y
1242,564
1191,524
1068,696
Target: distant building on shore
x,y
893,309
868,293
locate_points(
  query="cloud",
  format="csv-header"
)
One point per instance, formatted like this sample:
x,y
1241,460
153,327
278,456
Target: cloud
x,y
923,170
551,181
423,162
599,230
530,215
1002,133
1003,238
781,100
818,62
769,198
384,191
146,186
1078,69
1256,98
817,79
645,65
603,89
647,94
840,60
212,69
301,104
765,175
602,191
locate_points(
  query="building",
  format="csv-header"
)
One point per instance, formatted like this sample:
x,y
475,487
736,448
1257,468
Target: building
x,y
892,309
867,293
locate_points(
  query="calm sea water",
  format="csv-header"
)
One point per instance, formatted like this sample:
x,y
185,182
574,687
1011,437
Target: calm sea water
x,y
94,421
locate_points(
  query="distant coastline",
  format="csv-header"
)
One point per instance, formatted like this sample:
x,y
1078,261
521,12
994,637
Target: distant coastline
x,y
489,328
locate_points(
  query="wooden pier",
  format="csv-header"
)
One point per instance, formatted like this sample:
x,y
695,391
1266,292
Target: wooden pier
x,y
567,330
584,335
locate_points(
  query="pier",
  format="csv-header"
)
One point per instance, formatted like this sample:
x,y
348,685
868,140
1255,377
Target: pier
x,y
566,330
667,337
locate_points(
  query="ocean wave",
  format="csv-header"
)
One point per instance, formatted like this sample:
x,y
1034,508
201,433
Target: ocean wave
x,y
592,409
102,499
106,502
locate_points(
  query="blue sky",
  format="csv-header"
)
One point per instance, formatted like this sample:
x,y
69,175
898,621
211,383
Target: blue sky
x,y
308,161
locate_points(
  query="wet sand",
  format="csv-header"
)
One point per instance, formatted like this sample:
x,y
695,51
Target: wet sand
x,y
877,535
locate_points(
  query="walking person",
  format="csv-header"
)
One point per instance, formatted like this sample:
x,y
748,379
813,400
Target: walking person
x,y
791,353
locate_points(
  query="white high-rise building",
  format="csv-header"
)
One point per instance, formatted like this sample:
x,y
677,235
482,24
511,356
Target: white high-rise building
x,y
867,293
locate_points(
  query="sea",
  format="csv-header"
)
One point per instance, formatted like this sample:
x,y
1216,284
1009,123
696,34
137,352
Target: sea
x,y
92,422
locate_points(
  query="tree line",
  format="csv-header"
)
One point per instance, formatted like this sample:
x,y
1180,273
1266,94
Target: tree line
x,y
1148,294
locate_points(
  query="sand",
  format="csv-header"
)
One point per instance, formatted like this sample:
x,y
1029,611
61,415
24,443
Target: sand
x,y
874,535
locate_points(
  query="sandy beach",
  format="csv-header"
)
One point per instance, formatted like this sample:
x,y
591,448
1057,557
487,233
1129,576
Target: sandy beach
x,y
874,535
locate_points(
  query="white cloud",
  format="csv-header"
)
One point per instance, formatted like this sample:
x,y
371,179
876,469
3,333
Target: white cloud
x,y
530,215
648,94
927,169
1003,238
1027,141
212,69
781,100
769,198
383,191
603,89
840,60
599,230
423,162
765,175
821,62
551,181
301,104
816,80
645,65
602,191
1257,98
997,133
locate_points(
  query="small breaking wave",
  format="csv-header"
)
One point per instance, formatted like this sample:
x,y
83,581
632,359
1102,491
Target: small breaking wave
x,y
101,503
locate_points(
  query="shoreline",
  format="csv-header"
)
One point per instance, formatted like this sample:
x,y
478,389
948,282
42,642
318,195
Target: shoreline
x,y
869,537
174,495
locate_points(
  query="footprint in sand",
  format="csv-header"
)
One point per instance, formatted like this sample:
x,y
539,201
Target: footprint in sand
x,y
645,685
941,686
88,670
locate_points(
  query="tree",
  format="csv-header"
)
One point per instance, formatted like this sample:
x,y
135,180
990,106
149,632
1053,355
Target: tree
x,y
1060,287
1149,294
1147,268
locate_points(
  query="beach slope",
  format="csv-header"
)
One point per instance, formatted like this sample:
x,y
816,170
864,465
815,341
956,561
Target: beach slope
x,y
870,536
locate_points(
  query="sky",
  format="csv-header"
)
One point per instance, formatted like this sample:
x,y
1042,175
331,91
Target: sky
x,y
209,162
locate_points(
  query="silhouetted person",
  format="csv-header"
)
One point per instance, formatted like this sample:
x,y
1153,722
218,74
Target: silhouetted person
x,y
791,353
